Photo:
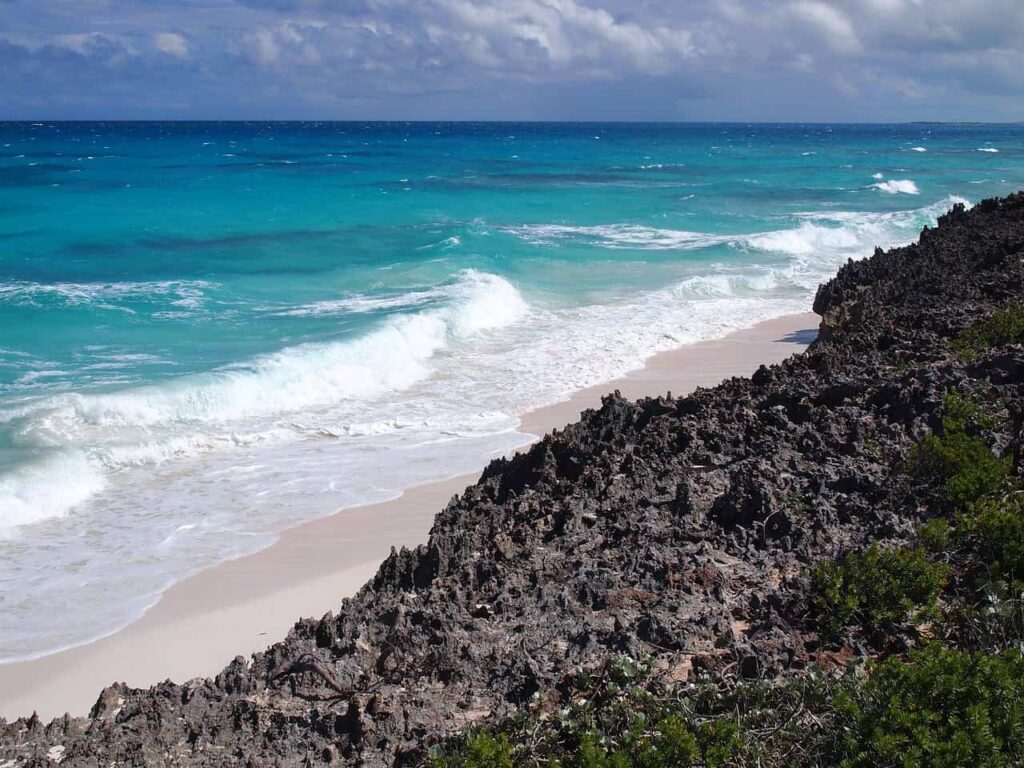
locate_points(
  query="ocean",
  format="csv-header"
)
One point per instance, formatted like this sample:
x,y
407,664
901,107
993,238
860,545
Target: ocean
x,y
210,332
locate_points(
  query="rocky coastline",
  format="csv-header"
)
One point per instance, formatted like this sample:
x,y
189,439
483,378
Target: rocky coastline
x,y
684,532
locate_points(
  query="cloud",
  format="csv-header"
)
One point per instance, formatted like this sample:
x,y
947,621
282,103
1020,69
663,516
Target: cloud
x,y
649,59
833,25
263,46
171,43
526,34
294,41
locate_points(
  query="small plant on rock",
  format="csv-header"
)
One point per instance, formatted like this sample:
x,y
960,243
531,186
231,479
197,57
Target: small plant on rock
x,y
1005,326
878,590
959,460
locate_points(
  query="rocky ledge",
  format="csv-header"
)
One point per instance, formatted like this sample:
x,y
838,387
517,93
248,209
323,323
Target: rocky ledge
x,y
682,531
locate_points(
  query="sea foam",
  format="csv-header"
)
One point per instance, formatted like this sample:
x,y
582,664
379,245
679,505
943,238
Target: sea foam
x,y
391,357
236,406
847,233
187,294
617,236
898,186
39,489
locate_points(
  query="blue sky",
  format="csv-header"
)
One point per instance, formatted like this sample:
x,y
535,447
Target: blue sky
x,y
859,60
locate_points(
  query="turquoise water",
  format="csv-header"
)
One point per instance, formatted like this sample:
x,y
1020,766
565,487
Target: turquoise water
x,y
209,332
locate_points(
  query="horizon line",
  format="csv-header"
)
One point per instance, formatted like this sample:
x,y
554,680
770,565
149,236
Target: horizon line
x,y
465,121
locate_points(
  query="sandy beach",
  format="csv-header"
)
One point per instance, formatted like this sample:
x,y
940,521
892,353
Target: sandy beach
x,y
244,605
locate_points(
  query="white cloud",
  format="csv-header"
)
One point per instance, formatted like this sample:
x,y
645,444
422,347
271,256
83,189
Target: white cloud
x,y
82,43
290,41
171,43
263,46
528,33
918,59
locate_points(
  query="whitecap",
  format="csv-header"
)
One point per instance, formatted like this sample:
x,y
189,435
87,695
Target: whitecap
x,y
897,187
183,293
618,236
391,357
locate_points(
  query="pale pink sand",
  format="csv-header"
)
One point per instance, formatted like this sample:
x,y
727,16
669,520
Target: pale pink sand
x,y
244,605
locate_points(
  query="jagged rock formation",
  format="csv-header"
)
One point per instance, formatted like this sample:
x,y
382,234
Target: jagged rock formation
x,y
679,528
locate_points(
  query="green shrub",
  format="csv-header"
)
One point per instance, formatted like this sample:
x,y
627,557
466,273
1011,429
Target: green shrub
x,y
720,740
962,413
964,465
992,620
959,460
481,749
673,746
879,589
592,754
934,707
993,532
936,535
941,708
1005,326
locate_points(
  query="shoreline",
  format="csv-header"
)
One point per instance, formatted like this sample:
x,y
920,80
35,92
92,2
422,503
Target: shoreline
x,y
243,605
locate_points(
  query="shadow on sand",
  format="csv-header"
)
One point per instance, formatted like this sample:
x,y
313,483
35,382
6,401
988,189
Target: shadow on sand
x,y
805,336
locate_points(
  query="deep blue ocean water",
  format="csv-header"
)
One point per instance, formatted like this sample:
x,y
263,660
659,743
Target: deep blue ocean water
x,y
212,331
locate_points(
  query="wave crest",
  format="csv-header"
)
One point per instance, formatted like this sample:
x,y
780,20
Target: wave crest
x,y
898,187
617,236
235,406
46,488
392,357
846,232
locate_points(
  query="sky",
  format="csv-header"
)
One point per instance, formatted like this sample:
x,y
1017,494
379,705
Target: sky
x,y
679,60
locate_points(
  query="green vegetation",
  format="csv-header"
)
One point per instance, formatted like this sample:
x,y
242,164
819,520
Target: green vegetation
x,y
880,589
958,701
959,460
939,707
983,536
985,532
993,534
612,722
935,707
480,749
1005,326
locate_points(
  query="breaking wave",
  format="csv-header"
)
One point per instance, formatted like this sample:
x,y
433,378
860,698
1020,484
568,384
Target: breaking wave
x,y
898,187
237,405
844,232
